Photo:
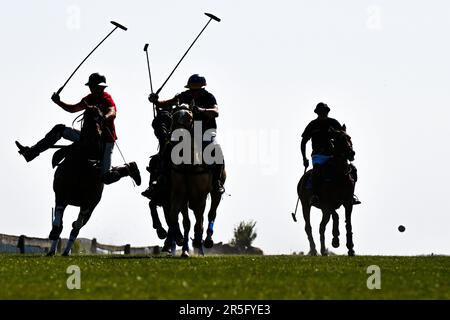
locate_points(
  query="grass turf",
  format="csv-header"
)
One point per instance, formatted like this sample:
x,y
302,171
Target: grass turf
x,y
224,277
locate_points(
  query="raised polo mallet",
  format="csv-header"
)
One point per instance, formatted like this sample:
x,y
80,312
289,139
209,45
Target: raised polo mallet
x,y
116,25
211,17
150,76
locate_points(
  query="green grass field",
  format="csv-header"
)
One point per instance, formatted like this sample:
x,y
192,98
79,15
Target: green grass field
x,y
224,277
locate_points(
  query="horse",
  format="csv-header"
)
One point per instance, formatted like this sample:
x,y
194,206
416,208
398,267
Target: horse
x,y
77,180
190,185
336,191
160,197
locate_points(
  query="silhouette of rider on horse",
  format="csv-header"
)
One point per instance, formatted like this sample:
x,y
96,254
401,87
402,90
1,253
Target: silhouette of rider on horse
x,y
319,131
204,109
102,100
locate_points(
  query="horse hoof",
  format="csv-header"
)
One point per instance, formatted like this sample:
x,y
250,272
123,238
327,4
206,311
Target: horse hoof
x,y
162,234
65,254
312,253
197,243
179,242
50,254
209,243
351,253
324,253
335,242
185,254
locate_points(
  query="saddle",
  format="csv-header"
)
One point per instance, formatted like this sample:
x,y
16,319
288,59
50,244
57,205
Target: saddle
x,y
327,176
60,155
66,152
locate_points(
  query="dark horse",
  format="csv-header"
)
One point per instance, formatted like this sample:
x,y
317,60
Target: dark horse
x,y
77,180
190,185
339,178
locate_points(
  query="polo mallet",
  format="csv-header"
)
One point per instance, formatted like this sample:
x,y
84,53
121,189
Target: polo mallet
x,y
294,214
117,25
149,76
211,17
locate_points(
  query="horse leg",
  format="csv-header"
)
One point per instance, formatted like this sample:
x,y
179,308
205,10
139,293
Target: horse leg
x,y
178,199
186,228
162,233
323,224
335,217
306,208
215,201
57,227
83,218
198,228
348,227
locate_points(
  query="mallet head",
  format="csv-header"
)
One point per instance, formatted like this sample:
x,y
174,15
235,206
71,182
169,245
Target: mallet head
x,y
118,25
212,16
146,47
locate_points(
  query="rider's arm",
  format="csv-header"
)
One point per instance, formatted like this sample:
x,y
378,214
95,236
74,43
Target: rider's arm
x,y
69,107
303,147
167,104
72,108
210,112
111,114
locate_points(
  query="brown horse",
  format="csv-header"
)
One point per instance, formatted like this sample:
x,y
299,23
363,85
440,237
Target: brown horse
x,y
77,179
337,190
190,185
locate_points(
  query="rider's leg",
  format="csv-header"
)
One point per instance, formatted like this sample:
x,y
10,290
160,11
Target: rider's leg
x,y
354,176
154,170
116,173
59,131
107,155
111,175
316,180
213,155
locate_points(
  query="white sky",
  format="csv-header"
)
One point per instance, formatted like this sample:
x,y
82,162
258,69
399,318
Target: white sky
x,y
382,67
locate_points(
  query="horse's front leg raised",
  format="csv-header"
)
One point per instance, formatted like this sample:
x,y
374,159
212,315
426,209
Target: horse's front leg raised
x,y
162,233
83,218
326,213
57,227
348,227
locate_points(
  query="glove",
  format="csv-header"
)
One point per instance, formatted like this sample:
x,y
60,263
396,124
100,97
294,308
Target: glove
x,y
306,163
55,98
153,98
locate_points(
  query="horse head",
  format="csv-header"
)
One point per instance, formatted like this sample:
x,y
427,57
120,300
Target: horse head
x,y
182,118
91,143
342,142
92,125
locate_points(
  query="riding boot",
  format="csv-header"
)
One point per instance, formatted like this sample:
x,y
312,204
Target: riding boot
x,y
217,170
316,184
116,173
29,153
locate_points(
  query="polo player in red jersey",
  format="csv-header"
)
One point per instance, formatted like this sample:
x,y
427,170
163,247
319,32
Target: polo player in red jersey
x,y
102,100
